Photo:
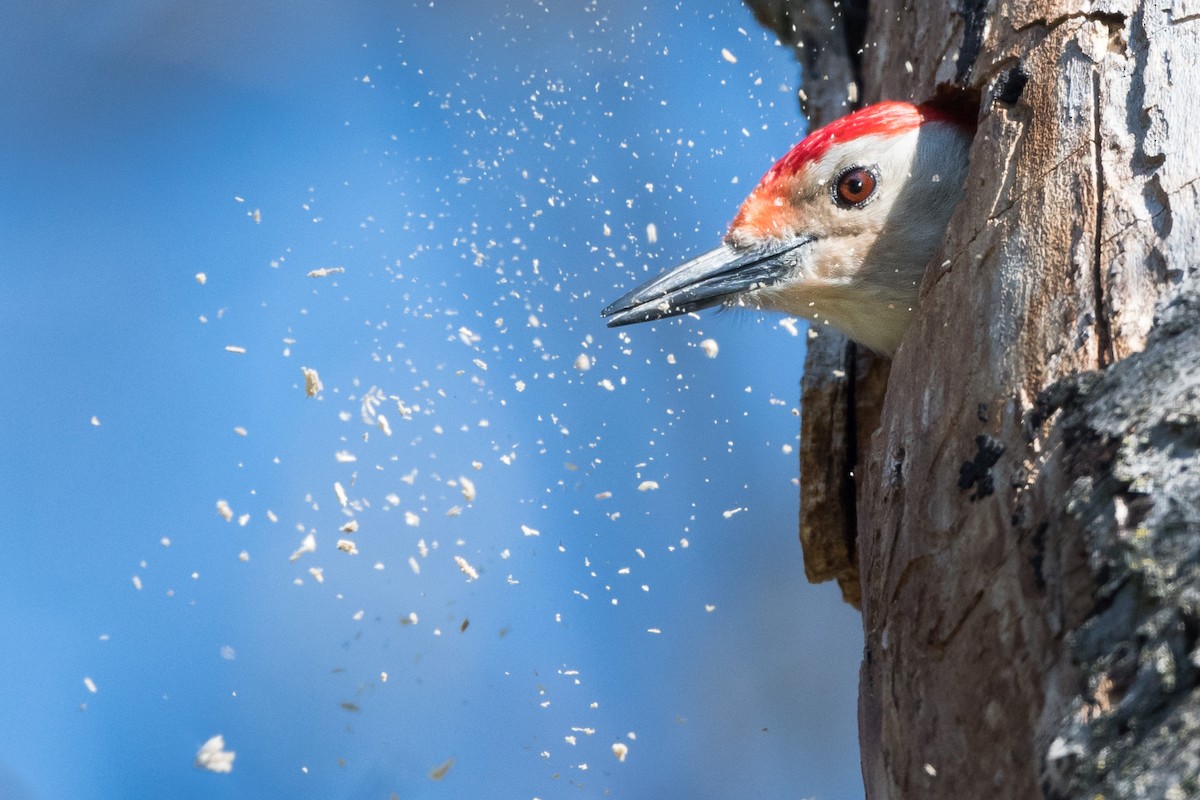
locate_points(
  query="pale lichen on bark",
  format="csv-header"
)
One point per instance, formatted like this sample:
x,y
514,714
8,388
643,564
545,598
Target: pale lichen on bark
x,y
1132,488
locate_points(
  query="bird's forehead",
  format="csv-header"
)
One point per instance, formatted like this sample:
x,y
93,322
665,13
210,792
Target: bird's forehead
x,y
881,120
785,200
870,134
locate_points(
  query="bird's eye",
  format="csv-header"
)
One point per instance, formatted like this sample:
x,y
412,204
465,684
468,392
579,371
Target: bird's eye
x,y
855,186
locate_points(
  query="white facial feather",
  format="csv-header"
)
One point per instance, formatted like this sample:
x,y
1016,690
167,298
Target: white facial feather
x,y
862,274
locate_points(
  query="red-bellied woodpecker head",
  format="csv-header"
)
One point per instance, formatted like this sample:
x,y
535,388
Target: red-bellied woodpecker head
x,y
840,230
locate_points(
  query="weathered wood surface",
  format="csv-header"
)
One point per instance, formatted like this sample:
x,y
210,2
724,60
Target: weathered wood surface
x,y
1028,508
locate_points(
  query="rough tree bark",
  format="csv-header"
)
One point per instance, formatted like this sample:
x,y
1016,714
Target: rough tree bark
x,y
1019,500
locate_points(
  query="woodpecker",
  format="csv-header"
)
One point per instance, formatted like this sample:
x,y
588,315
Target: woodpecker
x,y
839,230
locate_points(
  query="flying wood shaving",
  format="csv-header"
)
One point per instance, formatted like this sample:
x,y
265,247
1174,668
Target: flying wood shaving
x,y
309,545
466,568
312,382
439,772
213,756
468,489
224,510
372,400
340,492
347,546
325,272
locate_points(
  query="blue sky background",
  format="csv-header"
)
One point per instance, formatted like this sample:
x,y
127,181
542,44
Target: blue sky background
x,y
485,173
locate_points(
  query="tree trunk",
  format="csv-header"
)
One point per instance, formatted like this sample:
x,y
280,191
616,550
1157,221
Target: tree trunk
x,y
1021,496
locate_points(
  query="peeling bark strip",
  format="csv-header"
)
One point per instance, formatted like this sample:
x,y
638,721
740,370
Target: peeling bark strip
x,y
840,395
827,522
1037,632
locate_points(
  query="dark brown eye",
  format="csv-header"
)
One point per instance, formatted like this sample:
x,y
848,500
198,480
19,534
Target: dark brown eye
x,y
855,186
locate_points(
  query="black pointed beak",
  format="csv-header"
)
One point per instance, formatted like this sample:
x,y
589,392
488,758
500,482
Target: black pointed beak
x,y
705,281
